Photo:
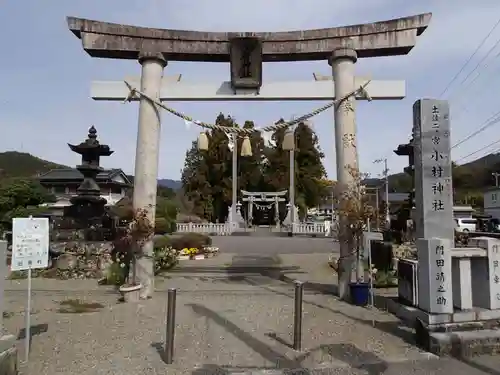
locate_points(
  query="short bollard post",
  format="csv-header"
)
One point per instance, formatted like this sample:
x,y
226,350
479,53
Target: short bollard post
x,y
297,316
170,330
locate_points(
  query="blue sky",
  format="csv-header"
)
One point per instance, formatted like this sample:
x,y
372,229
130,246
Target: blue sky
x,y
45,75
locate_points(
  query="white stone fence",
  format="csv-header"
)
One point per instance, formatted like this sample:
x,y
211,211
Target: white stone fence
x,y
313,229
475,275
205,228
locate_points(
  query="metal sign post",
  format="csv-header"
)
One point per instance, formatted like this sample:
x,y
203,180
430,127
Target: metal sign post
x,y
170,326
297,315
30,250
370,273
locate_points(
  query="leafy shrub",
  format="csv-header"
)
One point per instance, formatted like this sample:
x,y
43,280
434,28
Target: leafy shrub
x,y
173,226
381,255
161,242
461,239
115,274
385,279
165,258
191,240
162,225
404,251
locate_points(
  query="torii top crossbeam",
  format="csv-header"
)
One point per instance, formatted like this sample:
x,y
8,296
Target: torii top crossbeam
x,y
385,38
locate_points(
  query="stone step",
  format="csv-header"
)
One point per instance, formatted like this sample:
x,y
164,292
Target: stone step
x,y
465,344
483,366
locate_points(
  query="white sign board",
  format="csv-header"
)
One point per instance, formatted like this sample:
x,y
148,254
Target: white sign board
x,y
30,243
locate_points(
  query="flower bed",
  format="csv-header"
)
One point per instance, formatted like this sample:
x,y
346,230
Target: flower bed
x,y
198,254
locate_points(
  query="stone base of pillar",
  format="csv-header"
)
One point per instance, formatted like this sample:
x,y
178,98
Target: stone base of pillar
x,y
8,355
464,333
288,218
238,221
145,271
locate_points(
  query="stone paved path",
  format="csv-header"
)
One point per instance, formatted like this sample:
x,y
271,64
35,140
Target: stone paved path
x,y
232,320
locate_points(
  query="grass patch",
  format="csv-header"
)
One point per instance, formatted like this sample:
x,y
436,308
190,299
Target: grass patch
x,y
18,275
76,306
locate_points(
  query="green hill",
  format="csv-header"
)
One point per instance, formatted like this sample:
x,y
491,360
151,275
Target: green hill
x,y
469,180
21,164
475,176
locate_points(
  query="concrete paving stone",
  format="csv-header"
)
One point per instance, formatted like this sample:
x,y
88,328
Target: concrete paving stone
x,y
226,323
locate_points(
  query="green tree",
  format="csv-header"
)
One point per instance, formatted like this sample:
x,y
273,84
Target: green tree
x,y
309,169
196,186
276,165
250,167
166,212
207,175
165,192
309,166
22,193
218,160
21,198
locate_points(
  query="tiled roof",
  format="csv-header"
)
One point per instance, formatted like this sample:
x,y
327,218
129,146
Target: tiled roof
x,y
74,174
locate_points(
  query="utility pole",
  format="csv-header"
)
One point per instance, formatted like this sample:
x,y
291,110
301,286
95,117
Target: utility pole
x,y
386,175
234,182
496,175
292,181
376,190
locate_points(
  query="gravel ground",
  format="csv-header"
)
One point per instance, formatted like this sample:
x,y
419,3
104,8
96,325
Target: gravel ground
x,y
226,323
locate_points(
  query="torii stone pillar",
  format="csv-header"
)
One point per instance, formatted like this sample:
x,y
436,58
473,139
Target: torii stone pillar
x,y
342,62
146,158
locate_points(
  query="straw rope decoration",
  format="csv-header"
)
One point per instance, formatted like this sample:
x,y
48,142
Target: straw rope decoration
x,y
135,93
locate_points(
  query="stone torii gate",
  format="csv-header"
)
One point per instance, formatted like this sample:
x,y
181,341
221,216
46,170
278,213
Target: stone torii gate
x,y
252,197
246,51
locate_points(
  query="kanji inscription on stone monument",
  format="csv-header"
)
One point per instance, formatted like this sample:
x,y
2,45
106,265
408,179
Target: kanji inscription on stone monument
x,y
434,275
434,193
434,204
494,273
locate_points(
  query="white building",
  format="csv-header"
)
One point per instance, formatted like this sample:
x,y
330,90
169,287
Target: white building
x,y
492,202
63,183
463,212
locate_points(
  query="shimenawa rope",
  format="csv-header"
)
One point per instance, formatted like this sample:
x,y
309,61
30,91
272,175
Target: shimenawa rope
x,y
134,92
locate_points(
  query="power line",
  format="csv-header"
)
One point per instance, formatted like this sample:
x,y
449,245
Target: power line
x,y
480,62
470,58
470,83
481,149
464,107
489,122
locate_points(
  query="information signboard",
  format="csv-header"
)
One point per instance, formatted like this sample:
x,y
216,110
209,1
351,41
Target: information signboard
x,y
30,243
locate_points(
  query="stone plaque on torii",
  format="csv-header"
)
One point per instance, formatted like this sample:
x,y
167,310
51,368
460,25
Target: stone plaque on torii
x,y
341,47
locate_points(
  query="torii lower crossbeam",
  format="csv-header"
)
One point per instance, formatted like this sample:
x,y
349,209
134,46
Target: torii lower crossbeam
x,y
274,91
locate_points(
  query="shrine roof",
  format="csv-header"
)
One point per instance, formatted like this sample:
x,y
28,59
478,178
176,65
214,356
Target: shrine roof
x,y
71,174
385,38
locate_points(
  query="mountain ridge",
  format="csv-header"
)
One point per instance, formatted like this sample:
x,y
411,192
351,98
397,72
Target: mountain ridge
x,y
474,175
23,164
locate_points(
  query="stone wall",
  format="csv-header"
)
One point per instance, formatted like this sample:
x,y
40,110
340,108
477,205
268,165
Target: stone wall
x,y
81,259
